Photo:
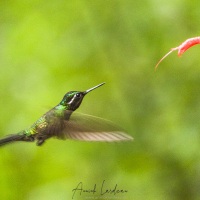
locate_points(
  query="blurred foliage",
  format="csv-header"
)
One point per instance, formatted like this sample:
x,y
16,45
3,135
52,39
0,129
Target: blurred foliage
x,y
48,48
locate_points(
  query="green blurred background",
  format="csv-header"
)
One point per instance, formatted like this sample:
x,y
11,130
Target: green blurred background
x,y
48,48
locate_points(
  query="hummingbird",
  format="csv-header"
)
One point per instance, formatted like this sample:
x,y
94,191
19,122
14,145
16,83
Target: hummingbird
x,y
62,122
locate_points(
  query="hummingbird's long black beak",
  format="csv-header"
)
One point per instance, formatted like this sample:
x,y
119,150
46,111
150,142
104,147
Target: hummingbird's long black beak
x,y
89,90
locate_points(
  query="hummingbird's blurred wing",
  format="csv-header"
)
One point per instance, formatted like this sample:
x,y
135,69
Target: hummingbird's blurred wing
x,y
90,128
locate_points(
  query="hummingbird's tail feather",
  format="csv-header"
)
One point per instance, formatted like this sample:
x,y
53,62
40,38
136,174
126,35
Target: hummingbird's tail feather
x,y
13,138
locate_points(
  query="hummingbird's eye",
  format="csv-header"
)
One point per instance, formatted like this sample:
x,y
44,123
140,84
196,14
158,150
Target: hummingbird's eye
x,y
78,95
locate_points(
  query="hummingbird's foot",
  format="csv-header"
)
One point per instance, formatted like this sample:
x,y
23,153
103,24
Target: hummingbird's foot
x,y
40,140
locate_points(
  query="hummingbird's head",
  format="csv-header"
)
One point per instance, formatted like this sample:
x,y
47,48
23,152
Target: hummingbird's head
x,y
72,100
